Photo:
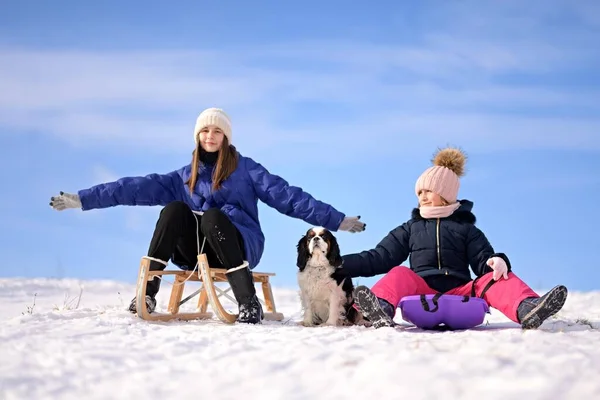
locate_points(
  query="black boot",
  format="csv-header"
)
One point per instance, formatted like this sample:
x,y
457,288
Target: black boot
x,y
150,304
242,285
535,310
378,311
151,289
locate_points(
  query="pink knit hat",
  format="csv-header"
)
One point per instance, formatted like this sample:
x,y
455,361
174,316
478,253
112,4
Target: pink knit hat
x,y
443,177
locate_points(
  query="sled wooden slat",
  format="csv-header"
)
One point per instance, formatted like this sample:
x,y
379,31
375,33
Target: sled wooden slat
x,y
209,293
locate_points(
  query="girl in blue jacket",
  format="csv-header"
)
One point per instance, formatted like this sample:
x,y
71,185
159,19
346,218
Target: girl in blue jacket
x,y
215,198
442,241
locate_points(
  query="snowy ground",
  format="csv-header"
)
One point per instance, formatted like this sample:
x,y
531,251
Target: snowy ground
x,y
99,351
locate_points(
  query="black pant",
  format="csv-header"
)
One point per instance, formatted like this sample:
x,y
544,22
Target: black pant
x,y
178,233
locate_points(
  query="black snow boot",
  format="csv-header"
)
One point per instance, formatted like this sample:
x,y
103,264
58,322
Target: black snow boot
x,y
378,311
151,289
242,285
150,304
535,310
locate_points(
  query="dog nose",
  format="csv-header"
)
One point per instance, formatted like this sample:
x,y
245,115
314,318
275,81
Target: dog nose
x,y
317,238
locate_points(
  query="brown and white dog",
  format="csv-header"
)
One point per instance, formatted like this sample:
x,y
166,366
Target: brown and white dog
x,y
325,291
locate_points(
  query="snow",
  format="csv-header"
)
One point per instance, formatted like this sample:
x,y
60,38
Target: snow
x,y
97,350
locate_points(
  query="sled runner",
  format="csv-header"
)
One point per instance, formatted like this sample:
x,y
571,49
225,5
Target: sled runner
x,y
209,293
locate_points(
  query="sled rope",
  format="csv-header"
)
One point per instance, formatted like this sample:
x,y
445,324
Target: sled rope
x,y
158,260
200,250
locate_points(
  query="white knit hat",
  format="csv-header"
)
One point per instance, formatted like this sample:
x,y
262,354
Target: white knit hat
x,y
213,116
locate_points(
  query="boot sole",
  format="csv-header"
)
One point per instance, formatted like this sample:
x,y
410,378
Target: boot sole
x,y
370,309
552,304
252,321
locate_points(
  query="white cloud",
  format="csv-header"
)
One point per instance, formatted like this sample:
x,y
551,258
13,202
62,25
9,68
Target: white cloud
x,y
139,220
445,87
103,174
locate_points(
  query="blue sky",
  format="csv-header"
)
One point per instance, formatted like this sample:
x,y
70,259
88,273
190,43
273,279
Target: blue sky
x,y
91,92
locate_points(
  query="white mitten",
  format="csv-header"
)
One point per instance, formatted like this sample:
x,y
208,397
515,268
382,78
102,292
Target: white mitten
x,y
64,201
499,267
352,225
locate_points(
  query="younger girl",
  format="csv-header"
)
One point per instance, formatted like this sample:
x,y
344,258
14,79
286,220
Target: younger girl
x,y
442,241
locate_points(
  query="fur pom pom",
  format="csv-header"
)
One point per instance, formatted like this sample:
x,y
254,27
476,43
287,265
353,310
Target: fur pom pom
x,y
451,158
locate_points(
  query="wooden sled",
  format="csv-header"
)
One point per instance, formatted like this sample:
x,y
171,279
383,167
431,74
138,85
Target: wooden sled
x,y
207,293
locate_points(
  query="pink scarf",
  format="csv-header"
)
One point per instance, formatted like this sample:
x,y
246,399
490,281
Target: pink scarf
x,y
438,212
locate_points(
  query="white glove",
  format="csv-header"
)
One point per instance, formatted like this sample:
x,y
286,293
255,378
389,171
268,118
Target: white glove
x,y
499,267
352,225
64,201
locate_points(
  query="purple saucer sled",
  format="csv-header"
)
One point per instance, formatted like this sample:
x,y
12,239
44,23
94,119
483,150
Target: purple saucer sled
x,y
449,311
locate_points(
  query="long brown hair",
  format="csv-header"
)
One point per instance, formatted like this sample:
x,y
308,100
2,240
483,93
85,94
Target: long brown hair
x,y
227,162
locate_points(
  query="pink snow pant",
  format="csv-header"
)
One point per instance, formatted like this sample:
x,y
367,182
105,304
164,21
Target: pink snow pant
x,y
504,295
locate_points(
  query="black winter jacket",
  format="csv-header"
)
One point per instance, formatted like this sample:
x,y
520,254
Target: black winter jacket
x,y
437,247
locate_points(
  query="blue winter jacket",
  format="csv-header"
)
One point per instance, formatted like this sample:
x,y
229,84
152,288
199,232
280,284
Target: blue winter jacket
x,y
238,198
442,246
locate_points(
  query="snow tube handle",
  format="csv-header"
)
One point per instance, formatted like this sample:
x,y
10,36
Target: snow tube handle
x,y
435,299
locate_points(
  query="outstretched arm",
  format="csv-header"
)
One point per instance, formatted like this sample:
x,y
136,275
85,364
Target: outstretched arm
x,y
149,190
392,251
291,200
479,251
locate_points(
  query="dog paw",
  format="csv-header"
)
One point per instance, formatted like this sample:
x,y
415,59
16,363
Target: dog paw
x,y
307,324
343,322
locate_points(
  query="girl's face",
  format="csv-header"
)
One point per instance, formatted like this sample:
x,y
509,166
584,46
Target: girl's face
x,y
429,199
211,138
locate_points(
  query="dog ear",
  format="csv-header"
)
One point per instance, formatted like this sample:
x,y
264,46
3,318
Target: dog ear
x,y
303,255
333,256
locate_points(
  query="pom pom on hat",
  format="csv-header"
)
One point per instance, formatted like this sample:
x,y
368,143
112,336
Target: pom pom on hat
x,y
443,177
213,116
453,159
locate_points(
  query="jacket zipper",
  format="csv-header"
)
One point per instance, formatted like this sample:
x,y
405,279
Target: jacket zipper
x,y
437,241
437,236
